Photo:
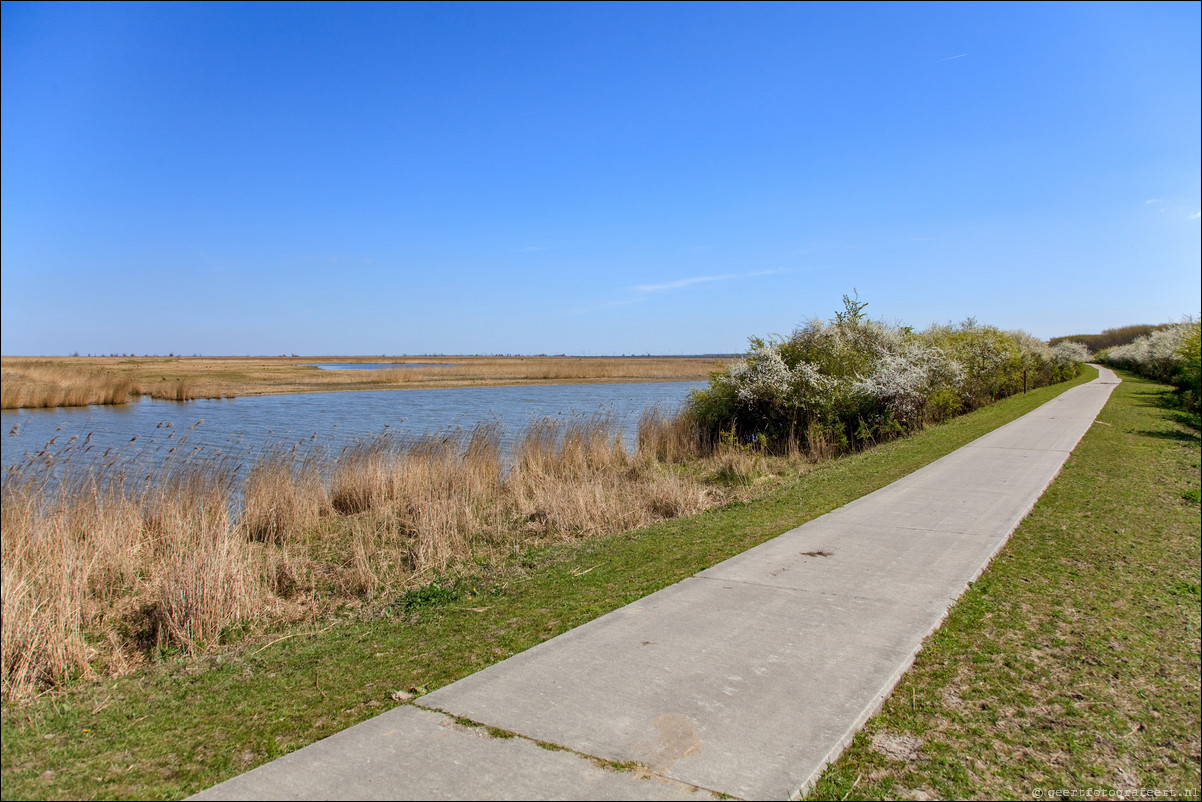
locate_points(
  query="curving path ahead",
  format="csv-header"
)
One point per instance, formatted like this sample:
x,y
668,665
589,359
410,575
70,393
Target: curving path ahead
x,y
744,680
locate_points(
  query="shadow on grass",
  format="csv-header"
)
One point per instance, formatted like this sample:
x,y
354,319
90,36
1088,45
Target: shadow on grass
x,y
1175,404
1153,399
1191,419
1170,400
1186,437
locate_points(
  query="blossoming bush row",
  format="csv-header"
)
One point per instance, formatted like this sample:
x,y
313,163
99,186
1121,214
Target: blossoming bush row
x,y
839,385
1170,354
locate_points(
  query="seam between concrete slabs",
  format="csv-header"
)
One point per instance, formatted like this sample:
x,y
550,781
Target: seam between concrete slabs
x,y
901,527
988,446
808,592
637,770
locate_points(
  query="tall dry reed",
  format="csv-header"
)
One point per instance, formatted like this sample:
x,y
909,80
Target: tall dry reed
x,y
283,495
106,566
175,390
670,438
44,384
161,563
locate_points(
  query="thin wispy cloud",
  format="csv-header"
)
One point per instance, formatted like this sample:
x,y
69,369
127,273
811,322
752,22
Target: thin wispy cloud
x,y
644,292
686,282
1172,209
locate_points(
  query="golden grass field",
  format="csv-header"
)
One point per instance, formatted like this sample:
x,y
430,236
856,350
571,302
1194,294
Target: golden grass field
x,y
77,381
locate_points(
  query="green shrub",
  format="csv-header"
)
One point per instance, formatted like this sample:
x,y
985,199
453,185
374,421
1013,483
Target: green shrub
x,y
1188,375
842,384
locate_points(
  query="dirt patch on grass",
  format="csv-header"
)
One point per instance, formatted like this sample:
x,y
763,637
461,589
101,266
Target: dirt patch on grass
x,y
897,747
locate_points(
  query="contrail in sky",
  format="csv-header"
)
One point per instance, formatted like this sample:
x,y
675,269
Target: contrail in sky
x,y
949,58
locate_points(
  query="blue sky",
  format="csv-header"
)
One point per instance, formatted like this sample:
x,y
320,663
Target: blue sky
x,y
588,179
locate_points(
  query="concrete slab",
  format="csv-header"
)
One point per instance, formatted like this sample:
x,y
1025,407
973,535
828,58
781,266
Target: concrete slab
x,y
883,560
725,685
977,491
409,753
1059,424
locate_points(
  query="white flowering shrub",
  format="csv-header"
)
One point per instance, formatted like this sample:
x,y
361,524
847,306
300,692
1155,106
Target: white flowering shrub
x,y
1169,354
905,377
762,378
1069,352
1153,355
762,388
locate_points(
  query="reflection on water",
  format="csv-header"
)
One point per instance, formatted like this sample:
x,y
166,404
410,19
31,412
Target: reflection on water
x,y
240,428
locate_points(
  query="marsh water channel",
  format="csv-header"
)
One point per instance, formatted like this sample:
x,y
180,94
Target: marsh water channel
x,y
240,429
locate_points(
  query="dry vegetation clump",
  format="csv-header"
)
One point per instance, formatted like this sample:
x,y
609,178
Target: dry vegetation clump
x,y
283,495
178,390
119,565
107,567
204,574
669,438
578,479
44,384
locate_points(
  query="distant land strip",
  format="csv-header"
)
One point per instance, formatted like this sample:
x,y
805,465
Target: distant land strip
x,y
38,382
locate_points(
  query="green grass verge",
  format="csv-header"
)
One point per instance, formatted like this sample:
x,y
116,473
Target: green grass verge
x,y
179,726
1073,661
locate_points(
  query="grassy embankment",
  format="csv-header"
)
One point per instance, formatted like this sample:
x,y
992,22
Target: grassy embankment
x,y
178,725
35,382
1073,661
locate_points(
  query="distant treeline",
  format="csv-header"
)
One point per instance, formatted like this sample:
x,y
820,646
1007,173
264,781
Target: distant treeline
x,y
1110,337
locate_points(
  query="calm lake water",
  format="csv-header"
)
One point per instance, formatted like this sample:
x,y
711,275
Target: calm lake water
x,y
240,428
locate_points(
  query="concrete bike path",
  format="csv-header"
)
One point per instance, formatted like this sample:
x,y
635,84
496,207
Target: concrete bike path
x,y
746,679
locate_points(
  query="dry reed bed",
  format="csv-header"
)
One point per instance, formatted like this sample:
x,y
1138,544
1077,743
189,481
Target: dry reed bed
x,y
103,567
43,385
77,381
535,369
